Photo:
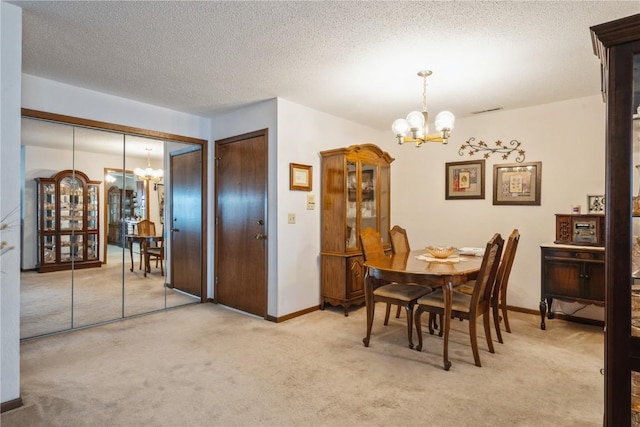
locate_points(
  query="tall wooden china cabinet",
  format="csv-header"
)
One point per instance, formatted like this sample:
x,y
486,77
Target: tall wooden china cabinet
x,y
68,233
355,195
119,208
617,44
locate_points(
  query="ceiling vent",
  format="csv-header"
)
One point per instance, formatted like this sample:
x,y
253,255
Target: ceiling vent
x,y
487,111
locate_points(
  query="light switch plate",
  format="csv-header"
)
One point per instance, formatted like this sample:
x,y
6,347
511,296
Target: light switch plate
x,y
311,202
292,218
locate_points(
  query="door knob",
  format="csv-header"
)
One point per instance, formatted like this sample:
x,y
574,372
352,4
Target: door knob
x,y
175,229
261,236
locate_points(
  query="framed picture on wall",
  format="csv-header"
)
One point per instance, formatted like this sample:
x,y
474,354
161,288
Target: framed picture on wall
x,y
517,183
299,177
160,189
464,180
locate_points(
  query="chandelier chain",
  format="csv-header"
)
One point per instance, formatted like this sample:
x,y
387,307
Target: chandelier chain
x,y
424,94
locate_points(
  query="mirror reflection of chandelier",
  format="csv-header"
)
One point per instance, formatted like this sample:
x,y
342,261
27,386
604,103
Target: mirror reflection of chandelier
x,y
415,127
149,174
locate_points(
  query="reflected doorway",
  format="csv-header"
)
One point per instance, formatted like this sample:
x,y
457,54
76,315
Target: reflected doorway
x,y
126,203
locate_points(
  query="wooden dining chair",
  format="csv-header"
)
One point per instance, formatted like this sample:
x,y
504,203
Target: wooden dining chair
x,y
464,306
144,228
392,293
499,297
399,240
399,244
156,252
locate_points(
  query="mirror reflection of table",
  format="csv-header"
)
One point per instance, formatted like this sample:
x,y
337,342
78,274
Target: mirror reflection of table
x,y
144,242
407,268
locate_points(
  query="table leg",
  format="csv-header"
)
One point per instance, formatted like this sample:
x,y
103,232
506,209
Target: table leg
x,y
369,305
446,322
143,247
131,251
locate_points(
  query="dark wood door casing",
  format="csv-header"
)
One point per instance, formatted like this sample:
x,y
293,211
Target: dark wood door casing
x,y
241,222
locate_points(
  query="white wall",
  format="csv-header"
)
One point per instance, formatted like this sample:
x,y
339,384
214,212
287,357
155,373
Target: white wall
x,y
10,68
567,137
54,97
302,134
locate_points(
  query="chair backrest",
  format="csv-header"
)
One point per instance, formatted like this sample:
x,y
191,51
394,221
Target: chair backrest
x,y
399,240
504,270
487,274
146,228
371,244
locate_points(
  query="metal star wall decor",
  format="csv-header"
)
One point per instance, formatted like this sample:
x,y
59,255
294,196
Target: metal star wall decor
x,y
500,148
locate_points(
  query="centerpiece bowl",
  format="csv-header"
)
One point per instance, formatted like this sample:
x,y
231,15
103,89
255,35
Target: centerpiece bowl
x,y
441,251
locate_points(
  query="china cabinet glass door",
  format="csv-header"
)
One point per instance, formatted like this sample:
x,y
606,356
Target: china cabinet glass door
x,y
369,198
352,206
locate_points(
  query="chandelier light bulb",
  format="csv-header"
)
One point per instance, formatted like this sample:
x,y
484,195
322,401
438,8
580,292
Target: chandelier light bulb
x,y
445,121
400,127
415,120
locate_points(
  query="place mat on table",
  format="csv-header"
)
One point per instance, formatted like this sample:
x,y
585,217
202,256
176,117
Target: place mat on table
x,y
429,258
471,251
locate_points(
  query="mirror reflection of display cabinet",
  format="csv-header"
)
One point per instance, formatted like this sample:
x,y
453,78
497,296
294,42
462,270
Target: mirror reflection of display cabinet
x,y
119,207
68,234
355,195
617,44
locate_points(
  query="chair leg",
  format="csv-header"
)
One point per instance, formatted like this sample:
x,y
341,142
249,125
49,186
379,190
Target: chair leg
x,y
487,330
417,315
409,309
432,323
386,314
503,305
496,321
161,267
398,312
474,341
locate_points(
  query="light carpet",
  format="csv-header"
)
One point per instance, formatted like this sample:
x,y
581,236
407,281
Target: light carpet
x,y
96,295
205,365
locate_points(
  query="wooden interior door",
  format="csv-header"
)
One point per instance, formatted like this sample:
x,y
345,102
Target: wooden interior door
x,y
241,202
185,221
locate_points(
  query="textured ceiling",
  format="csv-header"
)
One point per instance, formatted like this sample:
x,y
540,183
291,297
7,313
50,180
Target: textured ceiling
x,y
356,60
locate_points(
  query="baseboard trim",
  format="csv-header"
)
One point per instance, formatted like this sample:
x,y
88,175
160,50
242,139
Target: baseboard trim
x,y
559,316
293,315
11,404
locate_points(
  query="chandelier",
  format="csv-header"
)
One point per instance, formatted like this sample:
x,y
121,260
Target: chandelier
x,y
149,174
415,128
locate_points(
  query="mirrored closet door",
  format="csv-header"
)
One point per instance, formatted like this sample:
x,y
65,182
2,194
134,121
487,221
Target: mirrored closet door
x,y
94,211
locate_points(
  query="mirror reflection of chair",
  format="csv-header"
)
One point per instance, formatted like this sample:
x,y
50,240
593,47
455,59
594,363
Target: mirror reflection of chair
x,y
155,251
144,228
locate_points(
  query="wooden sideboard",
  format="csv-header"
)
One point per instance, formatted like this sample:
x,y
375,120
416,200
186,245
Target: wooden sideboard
x,y
571,273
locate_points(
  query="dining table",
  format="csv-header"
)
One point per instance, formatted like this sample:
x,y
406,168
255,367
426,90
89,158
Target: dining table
x,y
419,268
144,241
